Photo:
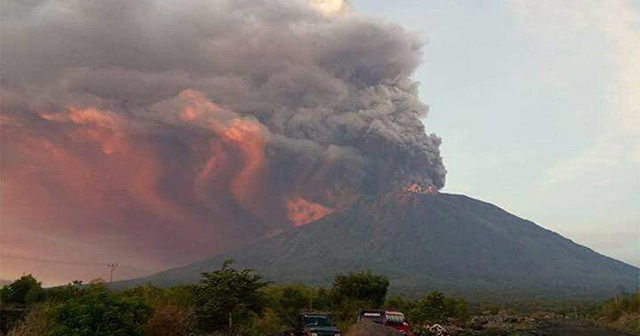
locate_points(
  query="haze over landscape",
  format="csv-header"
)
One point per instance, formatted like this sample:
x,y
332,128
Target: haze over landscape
x,y
156,133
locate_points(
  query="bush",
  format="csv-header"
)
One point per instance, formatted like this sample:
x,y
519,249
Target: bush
x,y
437,308
614,309
289,304
168,320
99,312
622,313
22,291
36,323
267,324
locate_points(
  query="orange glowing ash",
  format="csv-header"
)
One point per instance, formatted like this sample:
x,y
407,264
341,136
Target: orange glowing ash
x,y
249,137
86,116
199,108
237,154
102,127
302,212
418,189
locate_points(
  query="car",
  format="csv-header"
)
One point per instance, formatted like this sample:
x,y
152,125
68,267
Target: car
x,y
388,318
314,324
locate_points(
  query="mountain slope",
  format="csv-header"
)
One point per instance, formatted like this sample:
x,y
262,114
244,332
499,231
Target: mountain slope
x,y
421,242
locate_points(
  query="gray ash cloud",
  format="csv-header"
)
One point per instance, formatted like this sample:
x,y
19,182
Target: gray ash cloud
x,y
332,97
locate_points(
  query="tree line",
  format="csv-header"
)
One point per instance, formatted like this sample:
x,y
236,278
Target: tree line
x,y
226,301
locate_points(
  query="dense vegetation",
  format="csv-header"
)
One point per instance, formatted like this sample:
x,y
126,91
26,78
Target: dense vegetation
x,y
225,302
232,302
622,313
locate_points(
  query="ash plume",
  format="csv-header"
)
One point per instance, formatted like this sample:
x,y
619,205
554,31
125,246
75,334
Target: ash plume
x,y
186,128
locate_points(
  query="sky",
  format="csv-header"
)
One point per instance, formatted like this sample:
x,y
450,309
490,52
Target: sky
x,y
189,130
538,105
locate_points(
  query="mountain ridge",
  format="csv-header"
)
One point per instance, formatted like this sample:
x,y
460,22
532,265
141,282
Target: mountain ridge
x,y
447,242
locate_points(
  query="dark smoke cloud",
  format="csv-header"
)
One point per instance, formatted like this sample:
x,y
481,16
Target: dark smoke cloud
x,y
140,118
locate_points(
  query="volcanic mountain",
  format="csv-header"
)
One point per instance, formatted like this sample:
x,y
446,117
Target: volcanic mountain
x,y
422,242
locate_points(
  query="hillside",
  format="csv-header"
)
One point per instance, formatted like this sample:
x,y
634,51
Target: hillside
x,y
421,242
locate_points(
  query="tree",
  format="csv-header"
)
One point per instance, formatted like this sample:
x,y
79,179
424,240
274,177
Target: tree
x,y
290,304
354,291
226,298
436,308
363,286
22,291
99,312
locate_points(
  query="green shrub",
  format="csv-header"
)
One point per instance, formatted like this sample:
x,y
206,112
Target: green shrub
x,y
22,291
169,320
99,312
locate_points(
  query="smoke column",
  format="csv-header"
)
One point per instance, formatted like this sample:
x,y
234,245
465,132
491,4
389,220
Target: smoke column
x,y
167,131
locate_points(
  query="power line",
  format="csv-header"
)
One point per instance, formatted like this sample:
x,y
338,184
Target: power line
x,y
67,262
11,256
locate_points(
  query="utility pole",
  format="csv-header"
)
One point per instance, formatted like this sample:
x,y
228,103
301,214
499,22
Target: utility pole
x,y
112,268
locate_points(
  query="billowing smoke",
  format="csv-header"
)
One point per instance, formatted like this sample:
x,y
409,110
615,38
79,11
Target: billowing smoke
x,y
177,129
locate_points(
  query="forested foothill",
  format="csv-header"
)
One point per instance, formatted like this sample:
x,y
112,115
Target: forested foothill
x,y
235,302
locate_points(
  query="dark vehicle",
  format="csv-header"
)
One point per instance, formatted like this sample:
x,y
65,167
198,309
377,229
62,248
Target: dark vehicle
x,y
388,318
314,324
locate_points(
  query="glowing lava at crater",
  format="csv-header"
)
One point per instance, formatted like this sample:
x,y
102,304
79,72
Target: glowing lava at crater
x,y
418,189
302,212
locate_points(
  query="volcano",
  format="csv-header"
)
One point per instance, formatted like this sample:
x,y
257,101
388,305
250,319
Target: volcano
x,y
424,242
